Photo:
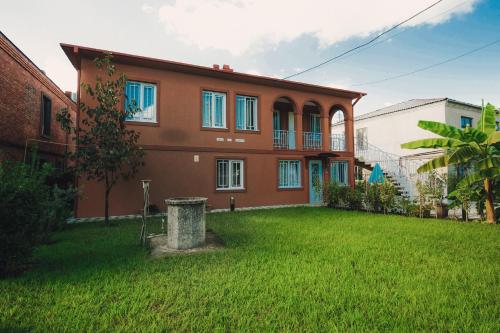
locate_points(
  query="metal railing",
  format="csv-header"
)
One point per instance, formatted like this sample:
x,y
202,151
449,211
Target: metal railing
x,y
283,139
337,142
312,141
403,171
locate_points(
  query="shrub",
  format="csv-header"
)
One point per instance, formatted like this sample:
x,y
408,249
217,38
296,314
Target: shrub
x,y
332,194
372,198
387,195
353,198
30,209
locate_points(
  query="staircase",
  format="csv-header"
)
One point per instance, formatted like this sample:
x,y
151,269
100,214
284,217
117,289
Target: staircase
x,y
400,171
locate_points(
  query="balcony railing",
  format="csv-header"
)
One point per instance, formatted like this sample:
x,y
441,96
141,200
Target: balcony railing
x,y
283,139
337,142
312,141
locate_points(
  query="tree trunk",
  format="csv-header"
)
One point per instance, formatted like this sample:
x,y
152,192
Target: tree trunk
x,y
490,209
106,208
106,202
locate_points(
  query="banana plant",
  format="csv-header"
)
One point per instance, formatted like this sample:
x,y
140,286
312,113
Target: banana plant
x,y
478,147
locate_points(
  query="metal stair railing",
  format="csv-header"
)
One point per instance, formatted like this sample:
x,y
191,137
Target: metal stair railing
x,y
402,171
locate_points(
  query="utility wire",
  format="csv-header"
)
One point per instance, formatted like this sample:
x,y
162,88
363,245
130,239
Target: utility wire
x,y
428,67
402,32
364,44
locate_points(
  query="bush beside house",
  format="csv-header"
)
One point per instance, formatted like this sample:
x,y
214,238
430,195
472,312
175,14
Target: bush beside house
x,y
31,209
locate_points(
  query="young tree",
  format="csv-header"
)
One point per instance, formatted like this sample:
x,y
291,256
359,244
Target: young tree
x,y
106,149
478,147
387,195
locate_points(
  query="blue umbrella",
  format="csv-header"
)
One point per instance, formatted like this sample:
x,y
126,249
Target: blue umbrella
x,y
377,176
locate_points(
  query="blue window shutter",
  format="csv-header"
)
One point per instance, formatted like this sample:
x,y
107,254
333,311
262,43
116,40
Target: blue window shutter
x,y
132,93
128,94
240,109
218,111
345,172
276,121
334,172
147,103
207,105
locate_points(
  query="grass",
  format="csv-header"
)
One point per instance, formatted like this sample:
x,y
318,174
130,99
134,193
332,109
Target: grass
x,y
299,269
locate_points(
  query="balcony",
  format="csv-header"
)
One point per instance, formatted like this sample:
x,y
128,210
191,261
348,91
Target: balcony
x,y
337,142
283,139
312,141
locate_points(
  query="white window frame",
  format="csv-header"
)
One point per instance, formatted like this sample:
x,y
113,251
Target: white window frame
x,y
212,116
230,164
341,166
246,114
142,115
285,178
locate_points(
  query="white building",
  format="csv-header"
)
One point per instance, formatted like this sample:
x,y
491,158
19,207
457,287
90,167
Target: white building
x,y
379,134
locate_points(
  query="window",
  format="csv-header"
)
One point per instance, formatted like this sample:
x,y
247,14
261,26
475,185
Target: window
x,y
315,123
246,113
339,172
289,174
142,96
214,109
361,138
46,115
230,175
465,121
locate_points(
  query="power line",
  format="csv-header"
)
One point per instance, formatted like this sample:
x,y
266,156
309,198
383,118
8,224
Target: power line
x,y
403,31
428,67
364,44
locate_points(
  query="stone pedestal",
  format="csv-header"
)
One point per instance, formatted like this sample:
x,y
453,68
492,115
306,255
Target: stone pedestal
x,y
186,222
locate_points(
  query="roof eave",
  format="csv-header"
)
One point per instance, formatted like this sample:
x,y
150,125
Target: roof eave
x,y
75,53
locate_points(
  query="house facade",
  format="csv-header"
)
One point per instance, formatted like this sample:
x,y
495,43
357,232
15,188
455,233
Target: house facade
x,y
379,135
389,127
216,133
29,101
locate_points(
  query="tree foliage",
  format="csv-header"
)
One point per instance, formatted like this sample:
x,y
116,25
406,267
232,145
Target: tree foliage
x,y
107,150
478,147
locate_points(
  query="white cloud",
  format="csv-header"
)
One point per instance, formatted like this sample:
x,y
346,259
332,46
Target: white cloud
x,y
242,25
148,9
253,72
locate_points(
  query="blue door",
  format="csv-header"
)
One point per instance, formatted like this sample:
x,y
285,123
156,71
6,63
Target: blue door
x,y
315,182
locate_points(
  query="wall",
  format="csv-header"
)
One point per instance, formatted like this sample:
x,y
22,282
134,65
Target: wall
x,y
21,89
389,131
454,111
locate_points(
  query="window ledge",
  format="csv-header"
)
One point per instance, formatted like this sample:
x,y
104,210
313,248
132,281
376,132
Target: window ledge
x,y
247,131
230,190
142,123
301,188
215,129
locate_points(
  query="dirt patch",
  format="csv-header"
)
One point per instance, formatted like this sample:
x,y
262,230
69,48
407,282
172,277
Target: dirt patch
x,y
158,245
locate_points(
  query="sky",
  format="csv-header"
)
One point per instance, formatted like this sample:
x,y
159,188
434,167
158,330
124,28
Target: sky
x,y
279,38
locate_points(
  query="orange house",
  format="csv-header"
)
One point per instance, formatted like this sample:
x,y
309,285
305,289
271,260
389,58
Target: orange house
x,y
216,133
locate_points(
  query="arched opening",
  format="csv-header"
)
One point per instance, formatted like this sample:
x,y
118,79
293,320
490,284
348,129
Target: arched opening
x,y
311,126
337,129
284,123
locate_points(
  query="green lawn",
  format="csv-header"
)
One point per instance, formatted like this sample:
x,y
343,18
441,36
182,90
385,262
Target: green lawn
x,y
300,269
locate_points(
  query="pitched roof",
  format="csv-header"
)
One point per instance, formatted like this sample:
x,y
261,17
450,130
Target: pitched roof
x,y
76,52
24,61
411,104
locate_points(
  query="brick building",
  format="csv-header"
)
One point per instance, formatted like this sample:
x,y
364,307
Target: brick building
x,y
29,101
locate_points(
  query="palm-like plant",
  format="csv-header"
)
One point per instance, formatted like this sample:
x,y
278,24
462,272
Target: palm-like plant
x,y
478,147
